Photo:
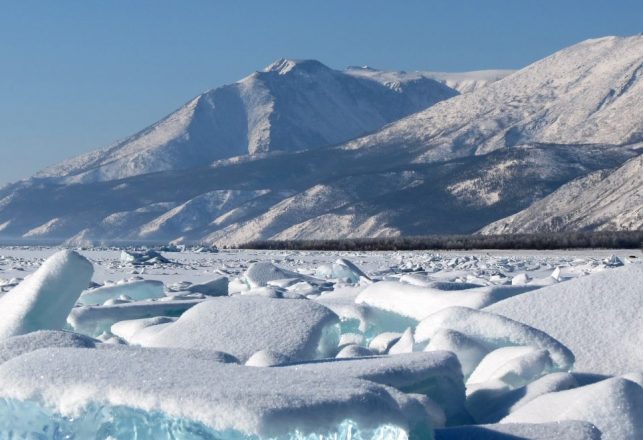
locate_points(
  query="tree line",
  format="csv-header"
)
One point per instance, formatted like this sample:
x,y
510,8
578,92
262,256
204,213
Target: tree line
x,y
539,241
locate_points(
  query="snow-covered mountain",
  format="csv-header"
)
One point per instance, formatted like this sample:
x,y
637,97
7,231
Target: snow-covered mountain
x,y
290,105
463,82
589,93
455,167
603,200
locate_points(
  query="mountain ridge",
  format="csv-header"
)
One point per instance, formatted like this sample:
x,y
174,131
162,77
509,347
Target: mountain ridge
x,y
457,166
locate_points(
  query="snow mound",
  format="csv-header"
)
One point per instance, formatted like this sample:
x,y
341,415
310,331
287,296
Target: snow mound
x,y
598,317
436,375
243,325
419,302
18,345
44,299
493,331
135,290
614,405
265,402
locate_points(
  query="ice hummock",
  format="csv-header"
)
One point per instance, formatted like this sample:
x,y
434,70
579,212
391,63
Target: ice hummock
x,y
43,300
597,317
243,325
134,290
223,397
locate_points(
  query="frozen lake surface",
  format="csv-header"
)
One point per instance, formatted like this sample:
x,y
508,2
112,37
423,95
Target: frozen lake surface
x,y
104,343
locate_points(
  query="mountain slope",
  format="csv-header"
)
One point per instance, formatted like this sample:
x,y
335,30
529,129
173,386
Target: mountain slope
x,y
588,93
291,105
603,200
463,82
455,167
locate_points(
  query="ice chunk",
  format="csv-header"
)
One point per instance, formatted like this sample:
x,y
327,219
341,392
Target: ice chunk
x,y
17,345
514,367
43,300
135,290
435,374
142,258
520,279
265,402
242,325
612,261
494,331
489,405
128,328
341,269
260,273
382,342
469,351
351,339
405,344
353,351
266,358
215,287
614,405
94,320
419,302
577,430
598,317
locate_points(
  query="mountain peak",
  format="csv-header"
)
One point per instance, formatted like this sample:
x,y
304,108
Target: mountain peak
x,y
285,65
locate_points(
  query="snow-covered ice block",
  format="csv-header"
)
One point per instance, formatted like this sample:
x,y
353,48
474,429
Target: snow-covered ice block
x,y
136,290
128,328
353,351
214,287
18,345
436,374
419,302
614,405
513,366
231,399
94,320
243,325
598,317
490,405
493,331
577,430
405,344
383,342
43,300
351,339
260,273
341,269
142,258
468,350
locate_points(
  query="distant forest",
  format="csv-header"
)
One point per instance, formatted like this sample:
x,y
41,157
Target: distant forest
x,y
562,240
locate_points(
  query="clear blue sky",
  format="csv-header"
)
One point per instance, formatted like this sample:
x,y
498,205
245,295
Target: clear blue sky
x,y
77,75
